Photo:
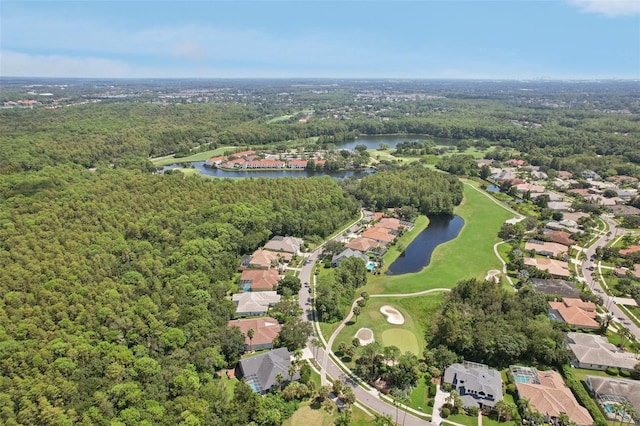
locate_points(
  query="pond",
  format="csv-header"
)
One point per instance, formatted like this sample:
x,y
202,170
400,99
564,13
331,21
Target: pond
x,y
418,254
220,173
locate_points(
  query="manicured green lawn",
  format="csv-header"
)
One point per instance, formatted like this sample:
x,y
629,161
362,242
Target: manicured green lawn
x,y
405,340
308,416
386,154
360,418
417,312
418,398
470,255
279,119
372,318
462,419
201,156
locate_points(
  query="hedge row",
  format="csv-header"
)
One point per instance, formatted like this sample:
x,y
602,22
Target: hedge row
x,y
583,396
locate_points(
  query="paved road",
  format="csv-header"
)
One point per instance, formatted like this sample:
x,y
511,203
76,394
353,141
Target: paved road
x,y
596,285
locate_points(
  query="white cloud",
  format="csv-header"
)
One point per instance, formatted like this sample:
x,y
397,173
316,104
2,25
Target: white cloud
x,y
189,50
609,8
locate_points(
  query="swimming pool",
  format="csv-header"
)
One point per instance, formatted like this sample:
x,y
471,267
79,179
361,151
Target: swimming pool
x,y
522,379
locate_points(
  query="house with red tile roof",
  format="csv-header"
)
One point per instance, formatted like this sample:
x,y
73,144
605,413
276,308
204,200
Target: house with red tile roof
x,y
265,259
560,237
266,329
515,162
545,248
380,235
259,280
548,395
363,244
629,250
555,267
264,164
576,313
238,162
215,161
529,187
297,164
389,223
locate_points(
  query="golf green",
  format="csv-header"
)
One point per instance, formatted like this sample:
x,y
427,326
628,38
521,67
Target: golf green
x,y
405,340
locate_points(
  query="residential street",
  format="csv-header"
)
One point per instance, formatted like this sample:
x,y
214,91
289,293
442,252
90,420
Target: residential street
x,y
609,301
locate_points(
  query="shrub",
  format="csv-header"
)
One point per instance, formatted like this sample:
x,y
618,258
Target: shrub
x,y
444,412
511,389
473,411
446,387
582,396
433,388
625,373
612,371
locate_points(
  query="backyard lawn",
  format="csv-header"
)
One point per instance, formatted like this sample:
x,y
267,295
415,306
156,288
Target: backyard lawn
x,y
451,261
309,415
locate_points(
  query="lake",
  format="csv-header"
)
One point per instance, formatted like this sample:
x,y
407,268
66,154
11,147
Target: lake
x,y
220,173
418,254
373,142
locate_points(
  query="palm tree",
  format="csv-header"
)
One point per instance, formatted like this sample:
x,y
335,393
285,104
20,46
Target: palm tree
x,y
365,296
316,343
502,408
356,311
292,371
279,380
250,335
626,334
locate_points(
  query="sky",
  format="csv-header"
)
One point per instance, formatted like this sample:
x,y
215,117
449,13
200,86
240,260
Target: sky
x,y
427,39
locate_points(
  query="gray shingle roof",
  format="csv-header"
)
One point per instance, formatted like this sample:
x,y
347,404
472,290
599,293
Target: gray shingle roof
x,y
484,385
260,371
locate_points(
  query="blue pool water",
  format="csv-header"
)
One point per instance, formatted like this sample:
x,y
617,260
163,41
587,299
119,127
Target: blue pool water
x,y
371,266
522,379
246,287
609,408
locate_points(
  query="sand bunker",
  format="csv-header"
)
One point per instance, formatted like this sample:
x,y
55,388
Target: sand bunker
x,y
392,314
365,335
493,274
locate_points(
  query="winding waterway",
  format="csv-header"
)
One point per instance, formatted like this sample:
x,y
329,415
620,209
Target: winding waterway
x,y
418,254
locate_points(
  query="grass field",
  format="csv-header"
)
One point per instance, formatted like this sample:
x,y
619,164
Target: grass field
x,y
280,119
409,336
201,156
386,154
418,398
309,416
373,319
451,261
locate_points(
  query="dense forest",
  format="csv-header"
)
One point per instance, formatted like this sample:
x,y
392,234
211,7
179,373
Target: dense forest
x,y
428,191
114,287
484,322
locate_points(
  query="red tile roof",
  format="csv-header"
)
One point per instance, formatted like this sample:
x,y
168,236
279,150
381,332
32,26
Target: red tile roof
x,y
266,329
